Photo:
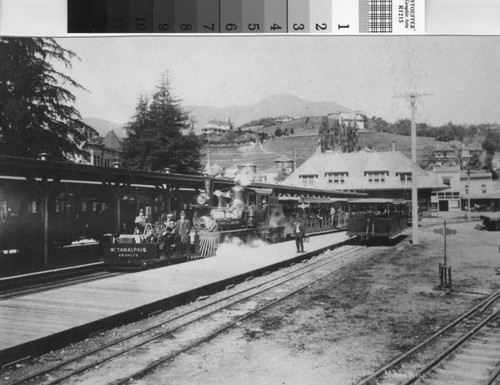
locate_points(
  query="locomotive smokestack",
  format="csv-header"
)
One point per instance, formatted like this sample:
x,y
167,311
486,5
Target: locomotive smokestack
x,y
208,187
220,199
238,195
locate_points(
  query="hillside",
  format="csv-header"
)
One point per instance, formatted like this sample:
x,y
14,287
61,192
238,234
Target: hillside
x,y
381,141
263,155
272,106
301,126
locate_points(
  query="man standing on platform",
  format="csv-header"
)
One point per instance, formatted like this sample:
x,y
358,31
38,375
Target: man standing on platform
x,y
182,229
299,233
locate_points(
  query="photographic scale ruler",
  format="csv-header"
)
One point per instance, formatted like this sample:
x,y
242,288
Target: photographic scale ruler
x,y
335,17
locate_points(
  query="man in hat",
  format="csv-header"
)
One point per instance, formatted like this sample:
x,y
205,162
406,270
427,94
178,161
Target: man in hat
x,y
140,222
182,229
299,233
168,237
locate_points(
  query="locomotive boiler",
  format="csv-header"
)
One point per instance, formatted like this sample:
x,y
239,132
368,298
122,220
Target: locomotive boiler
x,y
241,211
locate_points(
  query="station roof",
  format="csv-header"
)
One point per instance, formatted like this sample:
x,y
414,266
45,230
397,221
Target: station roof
x,y
75,172
13,167
356,166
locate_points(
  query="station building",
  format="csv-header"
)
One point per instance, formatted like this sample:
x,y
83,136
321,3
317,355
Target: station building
x,y
379,174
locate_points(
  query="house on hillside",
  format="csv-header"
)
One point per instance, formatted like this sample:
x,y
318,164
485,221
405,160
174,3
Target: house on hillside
x,y
469,152
282,119
216,127
348,119
102,151
379,174
284,164
352,119
443,155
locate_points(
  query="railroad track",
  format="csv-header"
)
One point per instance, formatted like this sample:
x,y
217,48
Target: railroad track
x,y
46,280
166,339
469,353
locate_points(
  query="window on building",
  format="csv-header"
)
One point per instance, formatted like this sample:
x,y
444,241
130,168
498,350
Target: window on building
x,y
447,181
404,176
308,180
449,195
483,188
336,177
376,176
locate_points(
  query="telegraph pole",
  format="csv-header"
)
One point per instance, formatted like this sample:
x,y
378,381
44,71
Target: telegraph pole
x,y
412,98
468,191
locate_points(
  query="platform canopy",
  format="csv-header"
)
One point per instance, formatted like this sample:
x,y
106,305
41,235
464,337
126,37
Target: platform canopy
x,y
495,195
82,173
375,201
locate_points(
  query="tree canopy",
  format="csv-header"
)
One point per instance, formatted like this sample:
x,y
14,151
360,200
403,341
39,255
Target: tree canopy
x,y
36,112
338,136
155,135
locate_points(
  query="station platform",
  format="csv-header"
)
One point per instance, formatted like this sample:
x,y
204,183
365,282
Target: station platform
x,y
33,324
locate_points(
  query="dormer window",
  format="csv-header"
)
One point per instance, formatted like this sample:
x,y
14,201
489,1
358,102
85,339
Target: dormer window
x,y
308,180
404,176
376,176
336,177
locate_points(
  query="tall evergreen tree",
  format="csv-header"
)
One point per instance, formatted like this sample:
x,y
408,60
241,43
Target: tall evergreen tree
x,y
349,142
336,136
36,114
325,134
155,135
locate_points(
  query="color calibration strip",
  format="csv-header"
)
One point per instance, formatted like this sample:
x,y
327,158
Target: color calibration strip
x,y
246,16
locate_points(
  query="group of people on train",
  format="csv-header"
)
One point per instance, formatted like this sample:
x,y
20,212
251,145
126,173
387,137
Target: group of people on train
x,y
324,218
165,230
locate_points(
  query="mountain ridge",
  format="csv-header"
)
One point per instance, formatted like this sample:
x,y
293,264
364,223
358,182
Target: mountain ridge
x,y
271,106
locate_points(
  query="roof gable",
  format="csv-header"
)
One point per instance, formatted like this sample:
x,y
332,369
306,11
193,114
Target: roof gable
x,y
357,164
111,141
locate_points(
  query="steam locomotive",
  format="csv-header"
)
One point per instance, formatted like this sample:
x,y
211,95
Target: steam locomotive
x,y
240,212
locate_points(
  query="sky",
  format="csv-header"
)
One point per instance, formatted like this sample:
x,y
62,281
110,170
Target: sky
x,y
458,76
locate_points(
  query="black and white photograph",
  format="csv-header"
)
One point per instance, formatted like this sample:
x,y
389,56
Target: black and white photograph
x,y
250,210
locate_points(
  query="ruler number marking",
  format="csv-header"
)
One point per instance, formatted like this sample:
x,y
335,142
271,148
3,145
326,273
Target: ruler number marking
x,y
254,27
140,23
